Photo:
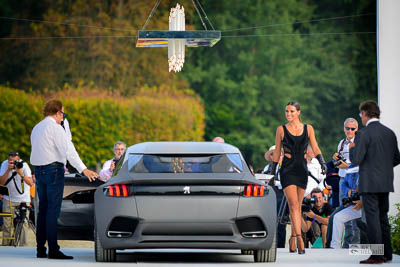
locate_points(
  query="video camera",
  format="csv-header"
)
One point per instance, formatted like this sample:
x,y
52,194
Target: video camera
x,y
354,196
307,204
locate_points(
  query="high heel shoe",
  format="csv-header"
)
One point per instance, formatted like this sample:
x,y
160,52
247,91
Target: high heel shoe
x,y
291,238
303,251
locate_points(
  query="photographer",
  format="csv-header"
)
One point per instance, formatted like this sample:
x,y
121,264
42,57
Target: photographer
x,y
351,209
16,175
315,218
341,160
109,165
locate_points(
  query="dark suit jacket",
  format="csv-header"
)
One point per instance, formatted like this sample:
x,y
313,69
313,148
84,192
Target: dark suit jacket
x,y
376,152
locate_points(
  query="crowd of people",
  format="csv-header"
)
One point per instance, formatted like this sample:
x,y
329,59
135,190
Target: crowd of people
x,y
363,169
319,216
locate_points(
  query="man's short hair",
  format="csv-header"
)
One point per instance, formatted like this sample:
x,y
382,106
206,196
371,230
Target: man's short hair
x,y
119,143
371,109
13,154
52,107
316,191
350,120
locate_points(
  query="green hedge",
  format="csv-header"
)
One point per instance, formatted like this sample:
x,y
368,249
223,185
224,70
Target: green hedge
x,y
98,119
395,230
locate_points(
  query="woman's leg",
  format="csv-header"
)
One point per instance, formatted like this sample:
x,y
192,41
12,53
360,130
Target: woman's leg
x,y
300,197
292,197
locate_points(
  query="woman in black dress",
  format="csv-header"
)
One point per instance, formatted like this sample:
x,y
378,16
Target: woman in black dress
x,y
294,138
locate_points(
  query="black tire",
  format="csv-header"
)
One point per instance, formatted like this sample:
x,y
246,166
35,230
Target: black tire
x,y
246,252
266,255
102,254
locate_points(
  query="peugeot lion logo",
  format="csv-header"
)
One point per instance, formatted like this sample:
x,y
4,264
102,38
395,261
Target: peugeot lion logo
x,y
186,190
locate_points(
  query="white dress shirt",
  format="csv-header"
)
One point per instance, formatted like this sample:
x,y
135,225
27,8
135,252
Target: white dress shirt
x,y
105,173
14,194
371,120
315,169
50,143
345,153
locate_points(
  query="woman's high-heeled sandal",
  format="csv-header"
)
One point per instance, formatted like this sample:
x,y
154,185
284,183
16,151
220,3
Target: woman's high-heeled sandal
x,y
300,251
290,250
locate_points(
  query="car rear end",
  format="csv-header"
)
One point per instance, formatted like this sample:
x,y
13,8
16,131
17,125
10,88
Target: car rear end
x,y
185,201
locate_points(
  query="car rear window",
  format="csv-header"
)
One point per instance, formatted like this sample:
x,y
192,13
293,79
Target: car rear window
x,y
216,163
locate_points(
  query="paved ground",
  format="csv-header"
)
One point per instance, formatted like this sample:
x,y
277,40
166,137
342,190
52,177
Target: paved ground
x,y
25,257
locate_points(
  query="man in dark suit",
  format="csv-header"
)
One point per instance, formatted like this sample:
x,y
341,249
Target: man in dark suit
x,y
376,151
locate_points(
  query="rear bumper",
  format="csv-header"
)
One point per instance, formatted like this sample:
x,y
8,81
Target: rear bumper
x,y
140,240
184,233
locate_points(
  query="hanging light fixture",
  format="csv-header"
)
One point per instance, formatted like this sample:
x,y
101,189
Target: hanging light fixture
x,y
176,47
177,38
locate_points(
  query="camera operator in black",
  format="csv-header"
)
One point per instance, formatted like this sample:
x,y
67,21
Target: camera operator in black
x,y
314,222
16,175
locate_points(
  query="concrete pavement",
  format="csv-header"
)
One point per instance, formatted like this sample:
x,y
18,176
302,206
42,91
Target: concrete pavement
x,y
25,257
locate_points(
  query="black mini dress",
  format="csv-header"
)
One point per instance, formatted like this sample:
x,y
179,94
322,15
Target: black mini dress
x,y
294,169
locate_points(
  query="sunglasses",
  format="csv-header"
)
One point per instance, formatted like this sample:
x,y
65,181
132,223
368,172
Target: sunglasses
x,y
13,154
64,114
350,128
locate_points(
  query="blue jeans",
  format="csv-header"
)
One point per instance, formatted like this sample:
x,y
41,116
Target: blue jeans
x,y
50,188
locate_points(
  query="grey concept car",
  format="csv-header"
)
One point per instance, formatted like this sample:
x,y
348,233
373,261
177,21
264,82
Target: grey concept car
x,y
184,195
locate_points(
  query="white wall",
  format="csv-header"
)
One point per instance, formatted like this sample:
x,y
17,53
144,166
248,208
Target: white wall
x,y
388,40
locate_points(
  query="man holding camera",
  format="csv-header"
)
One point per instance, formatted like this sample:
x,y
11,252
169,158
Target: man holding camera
x,y
350,209
315,218
341,160
109,165
16,175
341,157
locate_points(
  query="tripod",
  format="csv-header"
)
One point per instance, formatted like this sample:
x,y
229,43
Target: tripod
x,y
19,220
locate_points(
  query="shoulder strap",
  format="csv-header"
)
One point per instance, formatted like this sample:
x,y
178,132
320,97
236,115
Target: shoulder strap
x,y
9,179
342,145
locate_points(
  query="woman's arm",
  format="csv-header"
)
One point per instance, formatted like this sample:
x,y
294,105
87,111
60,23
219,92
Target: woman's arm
x,y
278,144
313,141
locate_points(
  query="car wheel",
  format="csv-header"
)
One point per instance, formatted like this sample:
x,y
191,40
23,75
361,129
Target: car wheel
x,y
102,254
266,255
246,252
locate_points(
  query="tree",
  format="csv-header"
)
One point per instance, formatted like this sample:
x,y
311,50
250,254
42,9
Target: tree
x,y
246,81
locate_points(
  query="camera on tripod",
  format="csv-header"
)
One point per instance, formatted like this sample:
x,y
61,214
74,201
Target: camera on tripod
x,y
307,204
339,160
18,164
354,196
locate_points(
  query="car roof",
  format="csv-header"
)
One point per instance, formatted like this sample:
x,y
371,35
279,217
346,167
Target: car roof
x,y
182,148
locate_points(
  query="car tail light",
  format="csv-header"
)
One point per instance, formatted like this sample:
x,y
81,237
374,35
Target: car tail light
x,y
253,190
117,190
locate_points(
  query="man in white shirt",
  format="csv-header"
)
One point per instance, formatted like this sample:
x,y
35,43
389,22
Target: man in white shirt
x,y
350,128
109,165
315,172
51,148
18,181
